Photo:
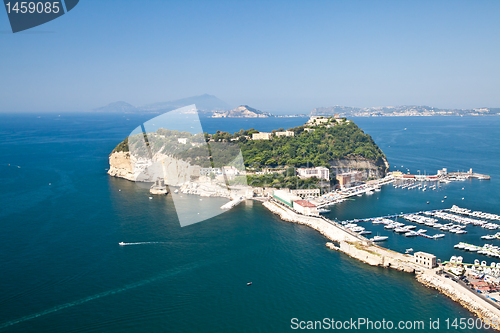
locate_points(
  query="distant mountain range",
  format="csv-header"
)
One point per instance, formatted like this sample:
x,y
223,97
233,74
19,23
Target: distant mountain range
x,y
211,106
400,111
206,104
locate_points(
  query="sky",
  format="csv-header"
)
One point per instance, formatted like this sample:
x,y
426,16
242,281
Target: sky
x,y
276,56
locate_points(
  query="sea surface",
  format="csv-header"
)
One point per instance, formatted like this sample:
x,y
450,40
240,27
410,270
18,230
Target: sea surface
x,y
62,217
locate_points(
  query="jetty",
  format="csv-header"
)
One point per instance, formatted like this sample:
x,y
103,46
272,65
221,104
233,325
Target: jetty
x,y
423,265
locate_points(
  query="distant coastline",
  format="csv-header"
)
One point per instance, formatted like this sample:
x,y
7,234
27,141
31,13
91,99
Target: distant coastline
x,y
212,107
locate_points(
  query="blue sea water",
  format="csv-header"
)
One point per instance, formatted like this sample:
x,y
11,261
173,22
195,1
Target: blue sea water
x,y
62,218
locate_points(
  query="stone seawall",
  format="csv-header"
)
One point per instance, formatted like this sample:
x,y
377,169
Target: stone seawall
x,y
350,243
460,294
362,249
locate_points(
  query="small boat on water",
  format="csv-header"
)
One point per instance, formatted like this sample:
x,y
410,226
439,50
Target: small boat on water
x,y
249,283
409,250
438,236
365,232
422,231
379,238
121,243
488,237
323,211
411,234
390,226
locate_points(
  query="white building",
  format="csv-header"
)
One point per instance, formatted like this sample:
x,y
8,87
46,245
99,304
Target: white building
x,y
318,120
182,140
306,192
425,259
305,207
208,171
285,197
442,172
318,172
230,170
285,133
261,136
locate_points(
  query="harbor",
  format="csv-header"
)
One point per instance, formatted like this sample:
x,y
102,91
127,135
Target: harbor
x,y
425,266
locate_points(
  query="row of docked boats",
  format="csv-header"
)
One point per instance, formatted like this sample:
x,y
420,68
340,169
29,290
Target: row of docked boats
x,y
487,249
490,237
431,222
465,220
401,228
478,214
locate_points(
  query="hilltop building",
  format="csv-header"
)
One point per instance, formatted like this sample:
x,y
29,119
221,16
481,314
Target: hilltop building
x,y
318,172
285,133
261,136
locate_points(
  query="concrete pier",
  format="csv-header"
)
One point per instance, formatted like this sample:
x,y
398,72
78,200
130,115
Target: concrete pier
x,y
366,251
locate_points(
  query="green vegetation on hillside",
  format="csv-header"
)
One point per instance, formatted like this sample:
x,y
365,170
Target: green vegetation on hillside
x,y
311,146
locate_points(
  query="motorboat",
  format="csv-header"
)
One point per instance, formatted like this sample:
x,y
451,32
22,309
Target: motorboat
x,y
409,250
438,236
411,234
121,243
422,231
379,238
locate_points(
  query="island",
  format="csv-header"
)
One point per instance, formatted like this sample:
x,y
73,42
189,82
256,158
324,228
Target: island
x,y
295,173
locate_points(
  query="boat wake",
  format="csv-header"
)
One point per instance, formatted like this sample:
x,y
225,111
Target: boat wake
x,y
141,243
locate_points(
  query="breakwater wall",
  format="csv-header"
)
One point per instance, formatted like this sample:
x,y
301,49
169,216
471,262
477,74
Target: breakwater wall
x,y
366,251
461,294
348,242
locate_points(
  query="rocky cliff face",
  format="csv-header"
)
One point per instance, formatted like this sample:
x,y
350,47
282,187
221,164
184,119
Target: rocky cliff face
x,y
370,168
175,171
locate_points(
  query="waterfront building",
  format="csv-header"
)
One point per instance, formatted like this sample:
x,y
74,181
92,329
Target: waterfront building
x,y
230,171
305,207
261,136
397,174
306,192
285,133
285,197
349,179
425,259
318,172
442,172
208,171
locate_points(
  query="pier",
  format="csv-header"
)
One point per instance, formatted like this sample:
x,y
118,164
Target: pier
x,y
360,248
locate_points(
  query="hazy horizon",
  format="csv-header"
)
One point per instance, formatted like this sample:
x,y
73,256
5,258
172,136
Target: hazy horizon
x,y
277,57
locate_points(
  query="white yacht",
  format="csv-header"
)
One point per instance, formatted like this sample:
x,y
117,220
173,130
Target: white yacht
x,y
390,226
411,234
379,238
438,236
421,231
